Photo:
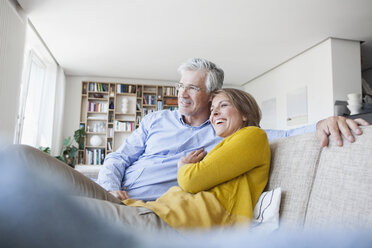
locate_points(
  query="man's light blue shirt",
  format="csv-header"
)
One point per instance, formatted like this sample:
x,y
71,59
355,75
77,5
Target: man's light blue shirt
x,y
145,165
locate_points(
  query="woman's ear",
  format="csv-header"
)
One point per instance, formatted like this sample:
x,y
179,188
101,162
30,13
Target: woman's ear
x,y
245,118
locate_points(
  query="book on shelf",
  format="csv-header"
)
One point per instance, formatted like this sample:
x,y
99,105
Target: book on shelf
x,y
144,100
110,132
138,119
97,107
80,159
139,91
110,117
126,126
149,99
84,91
95,156
160,105
169,91
148,110
98,87
124,88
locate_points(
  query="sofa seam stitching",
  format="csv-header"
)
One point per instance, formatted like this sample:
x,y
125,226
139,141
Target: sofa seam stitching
x,y
312,185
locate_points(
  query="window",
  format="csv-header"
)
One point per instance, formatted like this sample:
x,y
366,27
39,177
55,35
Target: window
x,y
33,105
37,101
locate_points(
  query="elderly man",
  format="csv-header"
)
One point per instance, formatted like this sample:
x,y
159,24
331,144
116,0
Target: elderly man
x,y
145,166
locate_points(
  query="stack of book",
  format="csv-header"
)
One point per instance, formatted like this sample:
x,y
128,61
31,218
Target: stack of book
x,y
95,156
126,126
123,88
97,107
98,87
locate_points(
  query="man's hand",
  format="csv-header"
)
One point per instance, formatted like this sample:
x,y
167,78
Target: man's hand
x,y
121,195
337,125
192,157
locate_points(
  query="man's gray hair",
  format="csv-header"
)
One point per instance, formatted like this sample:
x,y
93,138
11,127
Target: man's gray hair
x,y
215,75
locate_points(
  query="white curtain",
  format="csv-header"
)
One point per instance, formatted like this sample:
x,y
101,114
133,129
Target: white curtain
x,y
42,97
32,102
57,138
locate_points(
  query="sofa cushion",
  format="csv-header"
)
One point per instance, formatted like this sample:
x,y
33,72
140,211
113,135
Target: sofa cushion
x,y
293,164
266,212
342,190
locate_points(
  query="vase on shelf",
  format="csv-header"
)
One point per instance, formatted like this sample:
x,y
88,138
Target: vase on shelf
x,y
95,140
124,105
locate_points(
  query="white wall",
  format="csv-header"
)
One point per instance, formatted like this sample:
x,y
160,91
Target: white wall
x,y
73,97
328,70
346,68
12,39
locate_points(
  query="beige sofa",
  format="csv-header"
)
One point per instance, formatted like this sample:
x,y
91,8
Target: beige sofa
x,y
323,187
320,186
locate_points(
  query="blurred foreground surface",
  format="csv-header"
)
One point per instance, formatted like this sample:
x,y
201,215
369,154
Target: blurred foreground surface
x,y
36,211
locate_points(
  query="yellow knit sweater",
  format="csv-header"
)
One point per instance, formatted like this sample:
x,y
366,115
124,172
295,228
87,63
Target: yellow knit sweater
x,y
222,189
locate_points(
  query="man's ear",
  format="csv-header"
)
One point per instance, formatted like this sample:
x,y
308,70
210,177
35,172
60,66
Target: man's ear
x,y
245,118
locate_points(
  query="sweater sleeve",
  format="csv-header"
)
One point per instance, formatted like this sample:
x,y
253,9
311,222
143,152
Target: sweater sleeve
x,y
241,152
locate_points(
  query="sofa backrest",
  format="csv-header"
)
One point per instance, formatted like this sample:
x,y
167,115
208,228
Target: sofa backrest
x,y
325,186
293,166
342,189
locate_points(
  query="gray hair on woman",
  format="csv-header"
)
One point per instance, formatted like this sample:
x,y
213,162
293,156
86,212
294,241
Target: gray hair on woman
x,y
215,75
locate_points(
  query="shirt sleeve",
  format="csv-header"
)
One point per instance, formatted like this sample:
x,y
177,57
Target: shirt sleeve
x,y
277,134
229,159
112,173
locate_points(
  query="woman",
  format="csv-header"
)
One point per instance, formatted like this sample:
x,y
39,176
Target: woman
x,y
222,187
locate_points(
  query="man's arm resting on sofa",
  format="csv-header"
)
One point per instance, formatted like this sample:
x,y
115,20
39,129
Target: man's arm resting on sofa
x,y
337,125
334,125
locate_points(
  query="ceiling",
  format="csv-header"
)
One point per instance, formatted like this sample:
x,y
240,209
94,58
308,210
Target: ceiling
x,y
150,39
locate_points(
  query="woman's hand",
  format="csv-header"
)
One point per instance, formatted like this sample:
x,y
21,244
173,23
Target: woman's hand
x,y
121,195
192,157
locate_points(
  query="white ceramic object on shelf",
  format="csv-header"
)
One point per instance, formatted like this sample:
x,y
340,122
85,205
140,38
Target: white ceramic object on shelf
x,y
124,105
355,108
354,101
95,140
355,96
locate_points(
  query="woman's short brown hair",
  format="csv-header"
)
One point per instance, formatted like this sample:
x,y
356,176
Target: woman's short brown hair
x,y
244,103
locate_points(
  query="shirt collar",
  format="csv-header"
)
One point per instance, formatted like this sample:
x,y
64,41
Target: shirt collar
x,y
179,116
